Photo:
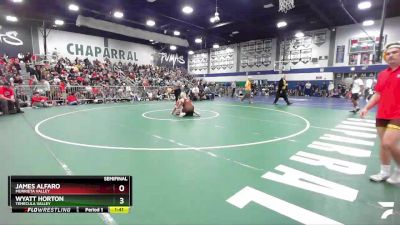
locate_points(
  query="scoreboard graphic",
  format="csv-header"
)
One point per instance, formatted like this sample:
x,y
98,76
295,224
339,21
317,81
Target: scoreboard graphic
x,y
70,194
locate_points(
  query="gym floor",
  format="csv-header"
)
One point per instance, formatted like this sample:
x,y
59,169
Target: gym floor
x,y
220,168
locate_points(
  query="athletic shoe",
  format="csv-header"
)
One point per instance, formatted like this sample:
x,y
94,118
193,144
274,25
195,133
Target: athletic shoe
x,y
289,103
379,177
395,178
353,111
358,109
274,103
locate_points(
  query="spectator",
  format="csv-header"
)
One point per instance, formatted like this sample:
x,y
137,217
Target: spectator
x,y
356,91
195,93
46,87
330,88
233,86
307,90
9,104
39,101
72,99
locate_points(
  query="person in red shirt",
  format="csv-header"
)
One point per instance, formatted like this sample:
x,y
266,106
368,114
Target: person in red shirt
x,y
8,102
38,101
387,97
72,99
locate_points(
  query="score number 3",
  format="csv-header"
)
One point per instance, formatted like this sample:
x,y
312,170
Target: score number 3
x,y
121,188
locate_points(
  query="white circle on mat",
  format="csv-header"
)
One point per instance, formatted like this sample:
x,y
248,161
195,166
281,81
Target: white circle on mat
x,y
37,130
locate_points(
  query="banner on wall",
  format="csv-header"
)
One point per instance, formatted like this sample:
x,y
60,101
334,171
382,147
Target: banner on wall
x,y
84,51
72,45
365,58
170,59
258,59
15,40
307,41
353,59
296,43
365,44
306,55
259,46
319,38
295,56
222,59
340,53
198,62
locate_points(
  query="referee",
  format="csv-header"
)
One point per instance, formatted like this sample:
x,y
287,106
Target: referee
x,y
282,91
387,97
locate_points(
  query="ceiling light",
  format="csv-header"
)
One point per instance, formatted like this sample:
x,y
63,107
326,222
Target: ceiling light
x,y
235,32
118,14
215,45
17,1
299,34
368,23
11,18
198,40
151,40
172,47
151,0
150,23
59,22
352,68
73,7
364,5
187,9
177,33
281,24
216,18
267,6
190,52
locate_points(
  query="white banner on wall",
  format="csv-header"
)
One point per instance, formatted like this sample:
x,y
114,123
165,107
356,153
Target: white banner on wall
x,y
72,45
324,76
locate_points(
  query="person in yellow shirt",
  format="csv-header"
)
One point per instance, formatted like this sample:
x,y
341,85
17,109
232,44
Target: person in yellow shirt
x,y
247,89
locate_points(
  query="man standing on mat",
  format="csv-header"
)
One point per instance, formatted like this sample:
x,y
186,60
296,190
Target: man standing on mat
x,y
282,91
387,97
247,90
233,86
177,90
356,90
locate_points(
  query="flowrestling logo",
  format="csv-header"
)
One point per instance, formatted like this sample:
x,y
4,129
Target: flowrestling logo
x,y
10,38
389,211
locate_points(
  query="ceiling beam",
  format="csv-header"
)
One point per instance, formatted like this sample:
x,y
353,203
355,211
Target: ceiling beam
x,y
129,31
321,14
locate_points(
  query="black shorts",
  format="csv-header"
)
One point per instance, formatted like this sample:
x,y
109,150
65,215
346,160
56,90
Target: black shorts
x,y
388,123
190,113
355,96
